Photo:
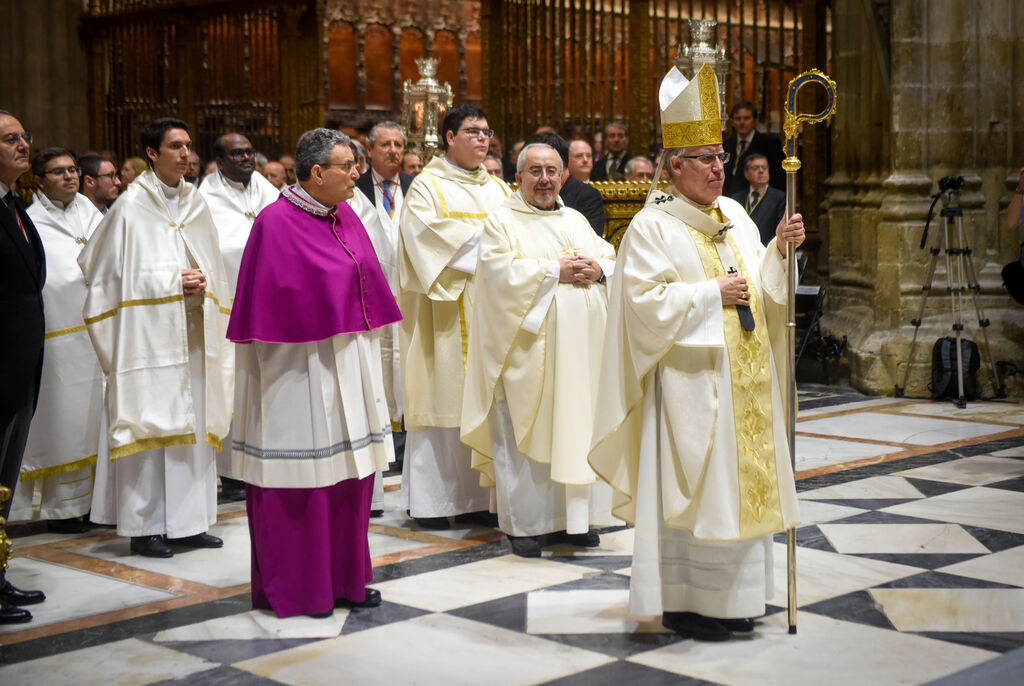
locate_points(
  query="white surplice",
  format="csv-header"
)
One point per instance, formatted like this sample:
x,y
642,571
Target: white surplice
x,y
64,437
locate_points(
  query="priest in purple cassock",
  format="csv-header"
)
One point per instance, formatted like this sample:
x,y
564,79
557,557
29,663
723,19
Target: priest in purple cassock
x,y
314,425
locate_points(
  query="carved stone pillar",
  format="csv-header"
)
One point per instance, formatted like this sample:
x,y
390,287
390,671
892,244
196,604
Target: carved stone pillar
x,y
930,95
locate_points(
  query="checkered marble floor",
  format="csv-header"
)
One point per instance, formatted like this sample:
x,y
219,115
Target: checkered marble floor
x,y
910,570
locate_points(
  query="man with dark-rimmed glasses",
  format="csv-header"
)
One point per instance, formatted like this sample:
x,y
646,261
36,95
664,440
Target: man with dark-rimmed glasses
x,y
100,183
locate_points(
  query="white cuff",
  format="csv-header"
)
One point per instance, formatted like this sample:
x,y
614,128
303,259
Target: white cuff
x,y
542,301
465,257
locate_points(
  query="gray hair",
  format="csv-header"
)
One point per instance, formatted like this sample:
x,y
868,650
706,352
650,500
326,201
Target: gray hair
x,y
631,164
261,159
522,156
315,147
371,137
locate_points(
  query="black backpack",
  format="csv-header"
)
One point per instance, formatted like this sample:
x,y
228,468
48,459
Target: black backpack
x,y
944,376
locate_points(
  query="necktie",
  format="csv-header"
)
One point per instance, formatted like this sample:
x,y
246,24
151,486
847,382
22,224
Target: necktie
x,y
743,147
753,198
9,201
386,188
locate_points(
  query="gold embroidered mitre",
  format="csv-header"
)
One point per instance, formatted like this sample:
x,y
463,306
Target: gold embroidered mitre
x,y
689,109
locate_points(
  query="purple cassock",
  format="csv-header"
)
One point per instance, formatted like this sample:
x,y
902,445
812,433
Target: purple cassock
x,y
309,274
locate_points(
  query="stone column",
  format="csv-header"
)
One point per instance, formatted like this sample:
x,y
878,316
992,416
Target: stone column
x,y
950,110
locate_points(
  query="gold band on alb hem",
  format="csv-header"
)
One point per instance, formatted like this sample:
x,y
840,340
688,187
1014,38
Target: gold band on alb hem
x,y
44,472
152,444
65,332
141,302
214,441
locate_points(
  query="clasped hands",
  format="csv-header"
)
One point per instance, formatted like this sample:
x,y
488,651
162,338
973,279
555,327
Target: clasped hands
x,y
578,270
193,282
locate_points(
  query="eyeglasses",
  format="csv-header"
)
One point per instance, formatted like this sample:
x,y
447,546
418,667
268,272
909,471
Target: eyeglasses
x,y
63,171
709,157
346,167
241,154
109,177
13,138
474,132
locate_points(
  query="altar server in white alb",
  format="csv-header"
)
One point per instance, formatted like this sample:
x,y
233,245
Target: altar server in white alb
x,y
534,358
690,426
439,237
235,194
64,438
157,312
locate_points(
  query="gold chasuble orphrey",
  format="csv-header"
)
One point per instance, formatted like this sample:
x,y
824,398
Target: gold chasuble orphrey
x,y
445,207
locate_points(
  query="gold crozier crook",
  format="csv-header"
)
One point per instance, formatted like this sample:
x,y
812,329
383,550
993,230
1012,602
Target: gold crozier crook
x,y
791,164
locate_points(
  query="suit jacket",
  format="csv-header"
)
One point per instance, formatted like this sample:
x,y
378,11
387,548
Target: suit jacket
x,y
767,144
365,184
22,274
600,170
767,213
586,200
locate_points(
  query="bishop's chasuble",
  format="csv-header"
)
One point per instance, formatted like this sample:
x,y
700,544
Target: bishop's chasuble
x,y
136,316
690,425
534,358
439,234
64,437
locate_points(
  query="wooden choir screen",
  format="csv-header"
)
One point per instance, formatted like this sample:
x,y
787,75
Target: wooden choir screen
x,y
578,64
220,65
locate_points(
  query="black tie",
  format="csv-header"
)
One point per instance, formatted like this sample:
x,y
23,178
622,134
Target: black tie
x,y
9,201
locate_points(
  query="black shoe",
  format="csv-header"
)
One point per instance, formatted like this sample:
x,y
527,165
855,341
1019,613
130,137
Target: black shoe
x,y
376,513
203,540
693,625
587,540
12,595
737,626
321,615
372,599
150,546
9,614
232,489
434,523
481,518
71,525
525,546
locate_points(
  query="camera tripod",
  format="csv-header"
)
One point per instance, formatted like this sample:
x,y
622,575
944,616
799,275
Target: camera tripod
x,y
961,277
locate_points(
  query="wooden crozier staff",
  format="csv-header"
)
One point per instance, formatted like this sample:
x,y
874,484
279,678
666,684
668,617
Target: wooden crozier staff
x,y
792,164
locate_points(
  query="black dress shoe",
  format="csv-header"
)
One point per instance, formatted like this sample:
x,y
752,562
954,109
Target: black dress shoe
x,y
203,540
738,626
150,546
232,489
481,518
71,525
693,625
12,595
525,546
371,599
587,540
9,614
376,513
433,523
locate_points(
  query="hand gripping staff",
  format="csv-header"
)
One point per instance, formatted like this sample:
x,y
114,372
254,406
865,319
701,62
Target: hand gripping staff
x,y
792,164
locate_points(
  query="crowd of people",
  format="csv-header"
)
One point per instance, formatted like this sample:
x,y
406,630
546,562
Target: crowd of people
x,y
287,329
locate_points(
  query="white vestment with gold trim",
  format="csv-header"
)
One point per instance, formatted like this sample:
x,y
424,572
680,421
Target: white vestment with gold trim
x,y
62,443
667,435
442,220
168,366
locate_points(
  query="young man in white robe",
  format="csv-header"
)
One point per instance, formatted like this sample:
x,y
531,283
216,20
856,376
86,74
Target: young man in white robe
x,y
235,194
157,313
60,456
439,235
690,424
534,357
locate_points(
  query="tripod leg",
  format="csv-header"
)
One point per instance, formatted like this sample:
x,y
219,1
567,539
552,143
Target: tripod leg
x,y
956,287
925,289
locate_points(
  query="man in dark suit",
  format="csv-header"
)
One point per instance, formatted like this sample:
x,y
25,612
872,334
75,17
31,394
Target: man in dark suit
x,y
765,205
611,165
22,273
747,140
580,196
